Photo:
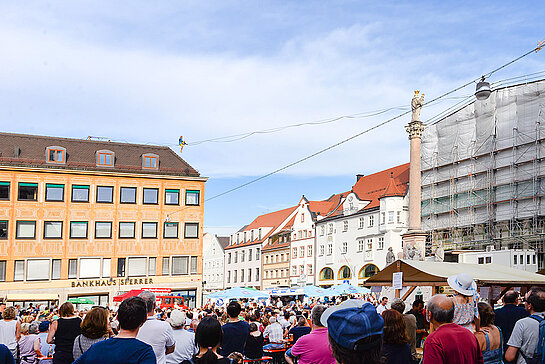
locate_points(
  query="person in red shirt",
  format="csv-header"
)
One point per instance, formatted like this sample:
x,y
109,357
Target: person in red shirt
x,y
449,343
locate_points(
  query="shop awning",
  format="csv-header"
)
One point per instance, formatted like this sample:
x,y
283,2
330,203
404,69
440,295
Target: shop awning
x,y
31,297
422,273
131,293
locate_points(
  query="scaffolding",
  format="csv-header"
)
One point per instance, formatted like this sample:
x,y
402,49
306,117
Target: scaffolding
x,y
483,174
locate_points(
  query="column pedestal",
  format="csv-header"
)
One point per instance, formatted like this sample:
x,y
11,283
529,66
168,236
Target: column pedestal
x,y
414,245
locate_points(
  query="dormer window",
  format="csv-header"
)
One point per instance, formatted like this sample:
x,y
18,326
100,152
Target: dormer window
x,y
56,155
105,158
150,161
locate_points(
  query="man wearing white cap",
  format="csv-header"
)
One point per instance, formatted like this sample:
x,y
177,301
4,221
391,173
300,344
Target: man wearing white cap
x,y
185,341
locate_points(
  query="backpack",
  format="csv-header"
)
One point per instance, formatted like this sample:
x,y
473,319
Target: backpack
x,y
539,355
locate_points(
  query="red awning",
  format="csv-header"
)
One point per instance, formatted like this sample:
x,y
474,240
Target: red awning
x,y
131,293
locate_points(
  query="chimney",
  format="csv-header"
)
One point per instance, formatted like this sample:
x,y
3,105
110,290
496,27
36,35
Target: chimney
x,y
16,152
358,176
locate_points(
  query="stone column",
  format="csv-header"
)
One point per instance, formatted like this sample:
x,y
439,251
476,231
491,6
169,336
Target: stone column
x,y
414,241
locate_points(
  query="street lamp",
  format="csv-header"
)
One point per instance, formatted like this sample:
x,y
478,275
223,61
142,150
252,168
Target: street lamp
x,y
482,91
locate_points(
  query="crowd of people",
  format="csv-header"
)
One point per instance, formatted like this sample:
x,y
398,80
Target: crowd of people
x,y
454,329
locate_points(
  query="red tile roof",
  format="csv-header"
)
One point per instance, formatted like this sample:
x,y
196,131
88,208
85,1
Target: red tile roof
x,y
374,186
271,220
81,155
392,190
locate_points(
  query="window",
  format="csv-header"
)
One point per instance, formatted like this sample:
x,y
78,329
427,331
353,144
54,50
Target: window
x,y
533,259
257,254
3,229
19,270
90,267
128,195
294,253
150,196
149,230
309,250
2,270
488,260
106,267
4,190
235,276
515,259
38,269
127,230
25,230
390,217
103,230
191,230
242,256
480,260
257,274
194,263
105,194
329,249
166,266
170,230
383,215
399,217
361,245
192,197
322,249
72,268
242,275
249,255
172,197
309,269
380,243
369,245
150,161
228,276
361,223
368,271
28,191
121,267
330,229
527,259
322,230
294,270
229,258
180,265
345,273
78,229
137,267
54,192
252,235
259,234
56,154
371,221
521,260
302,252
80,193
53,230
345,225
105,158
344,247
326,274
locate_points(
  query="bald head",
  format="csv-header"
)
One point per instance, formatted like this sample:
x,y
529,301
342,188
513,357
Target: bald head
x,y
441,308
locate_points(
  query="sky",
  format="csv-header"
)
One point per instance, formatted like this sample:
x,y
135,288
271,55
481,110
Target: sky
x,y
150,71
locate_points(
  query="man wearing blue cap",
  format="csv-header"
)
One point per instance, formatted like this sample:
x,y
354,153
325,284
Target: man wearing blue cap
x,y
355,332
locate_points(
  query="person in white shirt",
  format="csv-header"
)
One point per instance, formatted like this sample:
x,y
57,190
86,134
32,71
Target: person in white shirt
x,y
275,334
185,340
154,332
382,305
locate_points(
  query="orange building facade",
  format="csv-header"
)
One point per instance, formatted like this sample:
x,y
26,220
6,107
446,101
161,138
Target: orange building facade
x,y
81,218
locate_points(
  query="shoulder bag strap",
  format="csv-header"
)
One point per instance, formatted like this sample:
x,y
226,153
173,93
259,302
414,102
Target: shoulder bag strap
x,y
79,343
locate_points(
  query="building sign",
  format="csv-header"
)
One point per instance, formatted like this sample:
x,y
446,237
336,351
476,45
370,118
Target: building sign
x,y
111,282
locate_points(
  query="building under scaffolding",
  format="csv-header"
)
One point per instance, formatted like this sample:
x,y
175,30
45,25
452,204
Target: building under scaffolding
x,y
483,173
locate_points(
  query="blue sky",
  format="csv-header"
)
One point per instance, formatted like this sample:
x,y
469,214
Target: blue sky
x,y
144,71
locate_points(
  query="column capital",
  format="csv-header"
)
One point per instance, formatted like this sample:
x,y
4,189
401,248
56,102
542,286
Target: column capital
x,y
415,129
